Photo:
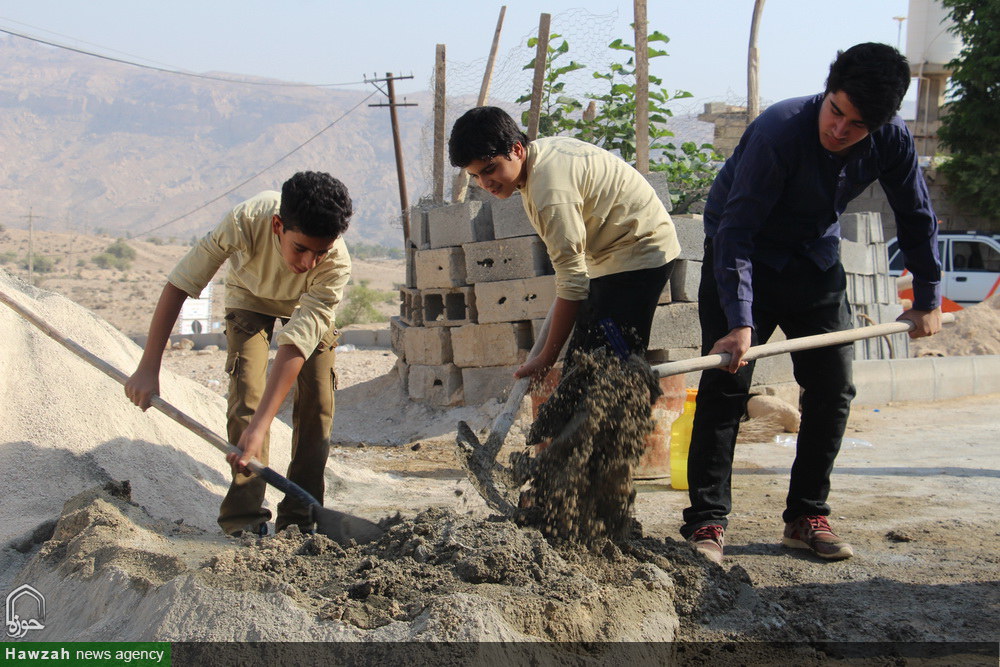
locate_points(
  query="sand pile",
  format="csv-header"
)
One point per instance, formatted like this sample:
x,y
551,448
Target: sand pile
x,y
976,331
67,426
111,571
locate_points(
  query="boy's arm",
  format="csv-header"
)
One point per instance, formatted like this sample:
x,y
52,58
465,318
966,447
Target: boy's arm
x,y
564,314
145,382
288,363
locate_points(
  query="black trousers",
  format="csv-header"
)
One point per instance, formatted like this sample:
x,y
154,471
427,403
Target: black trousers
x,y
803,300
628,298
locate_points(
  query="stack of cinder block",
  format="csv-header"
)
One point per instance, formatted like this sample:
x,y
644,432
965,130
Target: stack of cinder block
x,y
477,275
479,284
871,291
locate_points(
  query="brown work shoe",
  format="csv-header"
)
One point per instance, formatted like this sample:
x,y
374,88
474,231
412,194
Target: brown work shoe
x,y
708,541
813,532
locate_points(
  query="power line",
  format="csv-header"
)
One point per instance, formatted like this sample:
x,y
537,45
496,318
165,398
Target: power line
x,y
175,71
267,168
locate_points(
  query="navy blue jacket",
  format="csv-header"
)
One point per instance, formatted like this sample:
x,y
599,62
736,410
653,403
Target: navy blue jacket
x,y
781,194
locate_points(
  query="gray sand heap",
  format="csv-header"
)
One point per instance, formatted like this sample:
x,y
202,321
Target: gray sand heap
x,y
111,571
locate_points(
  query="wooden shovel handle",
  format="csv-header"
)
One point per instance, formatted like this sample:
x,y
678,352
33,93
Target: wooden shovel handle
x,y
792,345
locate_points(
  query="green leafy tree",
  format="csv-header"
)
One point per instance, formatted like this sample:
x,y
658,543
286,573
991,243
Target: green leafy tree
x,y
613,127
690,172
359,306
971,125
556,108
610,122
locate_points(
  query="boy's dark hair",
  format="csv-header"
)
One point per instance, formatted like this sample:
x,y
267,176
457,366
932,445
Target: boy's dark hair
x,y
875,77
482,133
316,204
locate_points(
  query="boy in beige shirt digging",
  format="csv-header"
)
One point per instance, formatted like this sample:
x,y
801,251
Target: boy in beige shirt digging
x,y
288,261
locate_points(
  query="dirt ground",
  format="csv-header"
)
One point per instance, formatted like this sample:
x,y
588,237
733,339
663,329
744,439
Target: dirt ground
x,y
913,492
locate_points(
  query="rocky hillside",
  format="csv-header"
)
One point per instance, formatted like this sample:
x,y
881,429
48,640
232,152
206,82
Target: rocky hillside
x,y
96,146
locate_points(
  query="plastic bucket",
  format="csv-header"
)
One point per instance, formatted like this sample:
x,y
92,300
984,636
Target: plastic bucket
x,y
655,460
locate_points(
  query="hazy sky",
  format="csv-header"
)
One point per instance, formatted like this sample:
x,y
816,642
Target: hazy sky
x,y
327,41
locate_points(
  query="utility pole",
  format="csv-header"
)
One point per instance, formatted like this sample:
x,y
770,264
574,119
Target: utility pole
x,y
31,245
397,145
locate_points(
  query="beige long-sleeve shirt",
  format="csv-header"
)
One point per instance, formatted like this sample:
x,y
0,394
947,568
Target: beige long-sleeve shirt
x,y
596,214
258,278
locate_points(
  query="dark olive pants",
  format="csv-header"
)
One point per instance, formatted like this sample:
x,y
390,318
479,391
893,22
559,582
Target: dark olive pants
x,y
248,336
803,300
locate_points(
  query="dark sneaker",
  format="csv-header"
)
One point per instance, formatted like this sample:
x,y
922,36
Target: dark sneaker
x,y
814,533
708,541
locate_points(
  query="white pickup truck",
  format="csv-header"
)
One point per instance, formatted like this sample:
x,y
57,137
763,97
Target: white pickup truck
x,y
970,261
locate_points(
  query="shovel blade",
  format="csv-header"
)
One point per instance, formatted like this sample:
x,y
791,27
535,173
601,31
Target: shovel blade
x,y
343,528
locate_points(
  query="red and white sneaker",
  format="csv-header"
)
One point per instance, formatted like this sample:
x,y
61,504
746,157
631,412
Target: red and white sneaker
x,y
813,532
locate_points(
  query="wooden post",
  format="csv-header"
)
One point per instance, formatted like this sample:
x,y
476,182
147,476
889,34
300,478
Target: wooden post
x,y
460,184
641,88
753,60
541,56
484,90
398,148
439,115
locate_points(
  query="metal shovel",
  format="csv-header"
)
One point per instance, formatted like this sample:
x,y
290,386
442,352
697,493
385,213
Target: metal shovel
x,y
338,526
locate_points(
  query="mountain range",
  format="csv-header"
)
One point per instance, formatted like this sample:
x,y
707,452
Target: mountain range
x,y
96,146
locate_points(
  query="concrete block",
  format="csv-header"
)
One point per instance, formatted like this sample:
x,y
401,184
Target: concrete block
x,y
855,258
691,235
665,297
656,357
860,289
495,344
685,279
675,325
876,230
509,218
880,257
506,259
435,385
773,370
659,182
458,223
411,268
403,371
854,227
427,346
397,330
490,382
441,268
411,310
449,307
514,300
419,235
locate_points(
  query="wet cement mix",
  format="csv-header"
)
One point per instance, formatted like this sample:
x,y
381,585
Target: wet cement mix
x,y
437,576
592,430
